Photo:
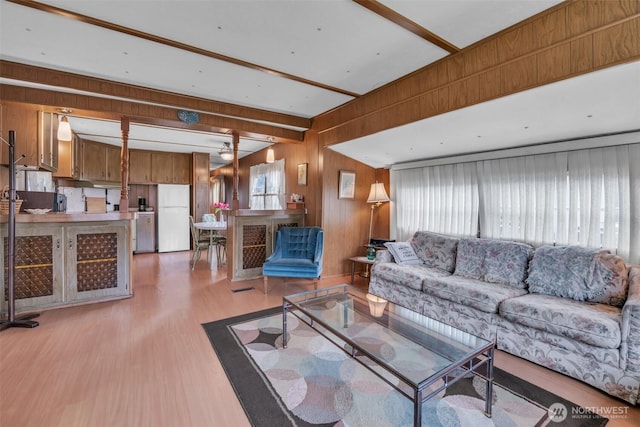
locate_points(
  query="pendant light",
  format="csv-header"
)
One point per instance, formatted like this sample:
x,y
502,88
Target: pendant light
x,y
270,154
226,152
64,128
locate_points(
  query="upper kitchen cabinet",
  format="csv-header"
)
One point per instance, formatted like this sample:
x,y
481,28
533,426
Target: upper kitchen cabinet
x,y
48,141
139,167
99,162
170,168
69,153
24,121
113,165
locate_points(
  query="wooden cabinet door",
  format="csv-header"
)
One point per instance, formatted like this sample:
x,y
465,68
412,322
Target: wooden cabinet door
x,y
39,257
24,121
139,167
94,161
113,163
48,140
161,167
97,259
200,188
181,168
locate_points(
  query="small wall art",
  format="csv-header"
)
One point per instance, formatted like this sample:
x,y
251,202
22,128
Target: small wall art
x,y
302,174
347,185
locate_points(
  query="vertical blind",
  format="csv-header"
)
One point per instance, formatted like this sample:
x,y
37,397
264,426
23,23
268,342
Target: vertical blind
x,y
585,197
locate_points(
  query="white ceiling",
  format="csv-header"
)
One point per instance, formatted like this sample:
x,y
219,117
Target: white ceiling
x,y
336,49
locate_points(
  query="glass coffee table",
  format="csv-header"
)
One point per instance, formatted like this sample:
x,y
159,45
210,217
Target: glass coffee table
x,y
423,355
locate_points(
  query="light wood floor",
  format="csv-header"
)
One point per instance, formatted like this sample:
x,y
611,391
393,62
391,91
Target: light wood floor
x,y
146,361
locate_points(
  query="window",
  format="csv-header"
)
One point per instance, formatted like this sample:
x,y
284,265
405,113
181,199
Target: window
x,y
267,186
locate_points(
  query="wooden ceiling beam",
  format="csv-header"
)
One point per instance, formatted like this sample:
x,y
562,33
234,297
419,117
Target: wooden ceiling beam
x,y
114,109
398,19
175,44
46,76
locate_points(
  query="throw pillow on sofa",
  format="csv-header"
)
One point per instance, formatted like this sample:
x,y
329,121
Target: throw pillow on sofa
x,y
435,250
403,253
578,273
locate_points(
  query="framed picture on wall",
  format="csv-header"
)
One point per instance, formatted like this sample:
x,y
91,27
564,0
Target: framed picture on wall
x,y
347,185
302,174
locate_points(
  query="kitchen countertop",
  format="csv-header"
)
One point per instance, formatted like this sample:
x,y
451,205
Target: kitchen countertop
x,y
70,217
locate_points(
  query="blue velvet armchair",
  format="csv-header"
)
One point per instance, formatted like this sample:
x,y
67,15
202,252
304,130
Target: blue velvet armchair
x,y
297,253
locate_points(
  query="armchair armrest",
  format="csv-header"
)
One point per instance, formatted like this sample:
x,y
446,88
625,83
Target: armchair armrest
x,y
631,322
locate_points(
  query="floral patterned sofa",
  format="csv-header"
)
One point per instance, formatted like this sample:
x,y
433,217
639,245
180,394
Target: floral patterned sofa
x,y
570,309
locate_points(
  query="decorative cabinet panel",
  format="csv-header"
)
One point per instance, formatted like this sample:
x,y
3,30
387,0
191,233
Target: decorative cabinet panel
x,y
60,265
97,258
253,241
38,272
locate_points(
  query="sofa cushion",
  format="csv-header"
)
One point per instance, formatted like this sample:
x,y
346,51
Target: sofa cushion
x,y
411,275
403,253
494,261
435,250
471,292
595,324
578,273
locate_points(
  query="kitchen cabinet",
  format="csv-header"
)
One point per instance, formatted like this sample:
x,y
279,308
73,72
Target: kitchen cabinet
x,y
161,167
181,168
170,168
100,162
96,257
68,159
24,121
113,163
59,264
39,256
139,167
200,187
48,141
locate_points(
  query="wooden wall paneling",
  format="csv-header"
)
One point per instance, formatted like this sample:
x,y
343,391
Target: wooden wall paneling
x,y
616,43
581,54
140,113
510,61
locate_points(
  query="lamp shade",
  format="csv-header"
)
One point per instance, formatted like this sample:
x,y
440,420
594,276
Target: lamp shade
x,y
377,194
64,130
270,156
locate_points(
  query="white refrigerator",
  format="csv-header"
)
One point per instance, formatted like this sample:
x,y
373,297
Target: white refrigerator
x,y
173,218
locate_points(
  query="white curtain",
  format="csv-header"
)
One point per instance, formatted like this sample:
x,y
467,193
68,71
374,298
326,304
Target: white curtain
x,y
519,197
442,199
267,186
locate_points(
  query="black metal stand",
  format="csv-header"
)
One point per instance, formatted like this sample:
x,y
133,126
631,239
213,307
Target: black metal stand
x,y
12,321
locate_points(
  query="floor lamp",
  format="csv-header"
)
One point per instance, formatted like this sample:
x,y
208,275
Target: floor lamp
x,y
25,320
377,196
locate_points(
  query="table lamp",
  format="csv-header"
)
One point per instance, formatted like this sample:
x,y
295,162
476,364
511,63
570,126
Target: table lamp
x,y
377,196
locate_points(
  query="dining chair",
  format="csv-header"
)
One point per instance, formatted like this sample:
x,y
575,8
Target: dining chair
x,y
199,243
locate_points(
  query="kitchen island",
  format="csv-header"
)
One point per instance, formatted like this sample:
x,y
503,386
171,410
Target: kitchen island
x,y
64,259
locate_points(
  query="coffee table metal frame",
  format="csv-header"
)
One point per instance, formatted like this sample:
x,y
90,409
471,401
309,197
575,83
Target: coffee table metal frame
x,y
450,374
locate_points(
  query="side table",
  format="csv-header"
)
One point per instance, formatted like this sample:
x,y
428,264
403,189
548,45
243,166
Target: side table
x,y
361,260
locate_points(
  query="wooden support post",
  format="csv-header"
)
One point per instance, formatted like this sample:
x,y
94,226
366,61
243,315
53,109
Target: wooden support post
x,y
235,203
124,164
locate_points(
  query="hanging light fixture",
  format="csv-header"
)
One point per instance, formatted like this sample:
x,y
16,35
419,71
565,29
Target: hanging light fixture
x,y
226,152
270,153
64,128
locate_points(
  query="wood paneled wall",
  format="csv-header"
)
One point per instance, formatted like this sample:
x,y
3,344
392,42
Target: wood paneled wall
x,y
573,38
